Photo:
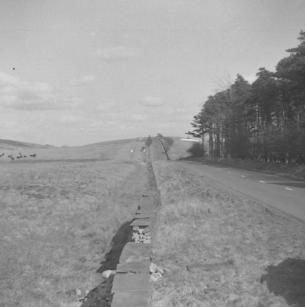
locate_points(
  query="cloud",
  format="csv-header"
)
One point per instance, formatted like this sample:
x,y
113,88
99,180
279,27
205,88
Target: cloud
x,y
70,118
73,101
83,80
106,106
22,95
6,78
251,78
137,117
117,53
151,101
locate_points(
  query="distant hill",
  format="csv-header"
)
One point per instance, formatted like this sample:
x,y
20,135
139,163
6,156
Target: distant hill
x,y
10,144
122,141
13,145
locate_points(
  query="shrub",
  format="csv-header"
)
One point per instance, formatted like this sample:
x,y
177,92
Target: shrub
x,y
196,150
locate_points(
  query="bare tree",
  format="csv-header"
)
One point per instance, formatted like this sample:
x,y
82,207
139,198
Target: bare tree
x,y
166,143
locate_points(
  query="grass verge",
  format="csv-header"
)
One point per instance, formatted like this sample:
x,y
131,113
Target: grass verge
x,y
292,170
216,245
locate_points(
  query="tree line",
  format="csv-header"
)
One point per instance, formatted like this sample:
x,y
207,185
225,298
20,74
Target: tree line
x,y
264,120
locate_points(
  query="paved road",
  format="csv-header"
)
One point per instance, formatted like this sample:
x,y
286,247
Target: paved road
x,y
278,192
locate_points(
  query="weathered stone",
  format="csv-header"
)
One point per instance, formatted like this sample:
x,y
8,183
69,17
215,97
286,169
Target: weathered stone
x,y
144,215
149,211
134,252
131,282
130,299
134,267
139,229
141,235
141,222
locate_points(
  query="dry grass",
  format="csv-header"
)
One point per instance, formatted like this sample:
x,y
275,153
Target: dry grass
x,y
215,245
292,170
57,219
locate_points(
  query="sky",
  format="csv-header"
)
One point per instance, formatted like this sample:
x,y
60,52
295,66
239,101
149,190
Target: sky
x,y
75,72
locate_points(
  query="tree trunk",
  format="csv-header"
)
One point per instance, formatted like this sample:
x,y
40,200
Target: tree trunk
x,y
164,149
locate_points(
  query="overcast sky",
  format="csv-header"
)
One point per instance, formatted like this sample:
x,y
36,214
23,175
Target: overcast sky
x,y
75,72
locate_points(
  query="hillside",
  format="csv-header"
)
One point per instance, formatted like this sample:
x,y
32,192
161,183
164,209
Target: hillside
x,y
23,151
104,150
11,144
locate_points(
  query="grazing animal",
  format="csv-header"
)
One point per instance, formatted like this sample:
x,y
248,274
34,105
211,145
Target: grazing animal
x,y
2,154
33,155
11,157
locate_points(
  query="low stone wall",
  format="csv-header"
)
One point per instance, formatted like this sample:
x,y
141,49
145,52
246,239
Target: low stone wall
x,y
131,284
128,269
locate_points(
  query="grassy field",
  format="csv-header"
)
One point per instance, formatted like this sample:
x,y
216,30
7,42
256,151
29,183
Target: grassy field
x,y
58,213
216,245
114,150
60,210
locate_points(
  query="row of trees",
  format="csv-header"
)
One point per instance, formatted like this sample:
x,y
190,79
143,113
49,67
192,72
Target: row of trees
x,y
264,120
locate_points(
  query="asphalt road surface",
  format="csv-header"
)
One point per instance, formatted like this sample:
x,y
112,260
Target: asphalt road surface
x,y
274,191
